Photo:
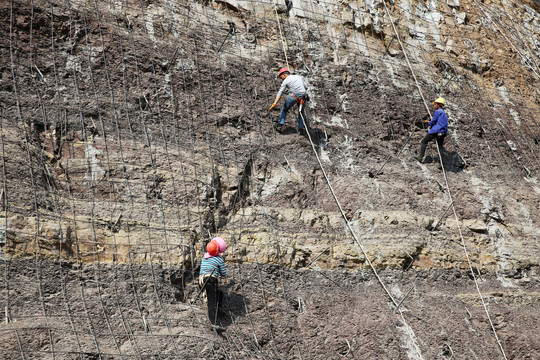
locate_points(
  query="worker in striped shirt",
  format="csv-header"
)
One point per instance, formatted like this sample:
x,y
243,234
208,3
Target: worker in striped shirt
x,y
212,267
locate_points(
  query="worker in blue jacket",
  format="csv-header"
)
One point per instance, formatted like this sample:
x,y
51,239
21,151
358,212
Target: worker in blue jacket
x,y
438,128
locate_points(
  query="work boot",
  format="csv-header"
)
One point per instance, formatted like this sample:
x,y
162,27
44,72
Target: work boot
x,y
278,127
301,131
217,327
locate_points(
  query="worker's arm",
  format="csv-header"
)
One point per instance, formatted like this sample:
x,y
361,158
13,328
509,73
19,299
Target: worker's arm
x,y
275,102
223,268
434,119
284,85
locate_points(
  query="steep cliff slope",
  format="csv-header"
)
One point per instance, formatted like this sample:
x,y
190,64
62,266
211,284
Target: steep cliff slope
x,y
132,132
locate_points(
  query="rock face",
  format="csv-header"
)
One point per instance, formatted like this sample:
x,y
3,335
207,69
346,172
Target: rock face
x,y
133,132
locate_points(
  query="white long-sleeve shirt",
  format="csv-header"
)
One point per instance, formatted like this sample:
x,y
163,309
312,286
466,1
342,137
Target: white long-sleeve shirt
x,y
295,84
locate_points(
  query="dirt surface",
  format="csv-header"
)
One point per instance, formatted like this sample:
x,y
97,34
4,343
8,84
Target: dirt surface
x,y
272,312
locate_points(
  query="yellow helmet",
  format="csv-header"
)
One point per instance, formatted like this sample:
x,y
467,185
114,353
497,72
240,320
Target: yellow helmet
x,y
439,101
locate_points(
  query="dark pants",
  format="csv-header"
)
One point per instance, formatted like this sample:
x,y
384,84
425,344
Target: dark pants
x,y
214,297
428,138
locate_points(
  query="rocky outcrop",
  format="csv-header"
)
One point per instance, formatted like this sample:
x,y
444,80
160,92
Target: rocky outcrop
x,y
131,133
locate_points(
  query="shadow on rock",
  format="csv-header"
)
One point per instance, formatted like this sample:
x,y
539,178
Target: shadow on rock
x,y
452,161
234,305
318,136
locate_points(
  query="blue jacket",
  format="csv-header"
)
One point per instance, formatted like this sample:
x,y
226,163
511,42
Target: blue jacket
x,y
439,122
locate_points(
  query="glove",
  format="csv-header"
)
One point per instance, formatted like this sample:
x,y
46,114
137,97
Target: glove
x,y
273,106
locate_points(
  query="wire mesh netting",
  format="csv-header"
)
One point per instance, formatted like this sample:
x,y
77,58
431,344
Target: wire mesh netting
x,y
132,132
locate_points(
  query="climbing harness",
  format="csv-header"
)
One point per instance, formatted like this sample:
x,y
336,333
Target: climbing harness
x,y
299,100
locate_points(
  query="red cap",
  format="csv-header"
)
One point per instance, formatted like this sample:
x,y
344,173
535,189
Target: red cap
x,y
283,70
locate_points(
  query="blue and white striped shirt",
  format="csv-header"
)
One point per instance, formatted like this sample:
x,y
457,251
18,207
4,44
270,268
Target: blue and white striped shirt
x,y
215,262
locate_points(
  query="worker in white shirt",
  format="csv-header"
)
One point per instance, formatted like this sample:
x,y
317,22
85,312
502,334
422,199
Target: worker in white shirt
x,y
295,86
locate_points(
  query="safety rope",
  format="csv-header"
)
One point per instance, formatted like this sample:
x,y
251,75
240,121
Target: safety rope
x,y
355,237
283,40
449,193
411,336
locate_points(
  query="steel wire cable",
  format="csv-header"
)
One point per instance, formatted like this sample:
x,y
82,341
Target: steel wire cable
x,y
484,126
323,96
408,328
483,123
525,62
69,312
103,129
96,274
57,84
454,209
413,73
133,281
336,18
520,183
358,243
209,147
536,160
277,353
165,143
511,19
154,281
158,353
212,166
7,270
32,176
268,318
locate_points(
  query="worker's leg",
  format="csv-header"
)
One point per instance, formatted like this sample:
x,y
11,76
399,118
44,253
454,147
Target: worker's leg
x,y
289,103
220,298
212,295
424,143
440,141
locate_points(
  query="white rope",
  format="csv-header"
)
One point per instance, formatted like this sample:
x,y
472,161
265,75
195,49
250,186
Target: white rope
x,y
407,326
283,41
407,59
450,196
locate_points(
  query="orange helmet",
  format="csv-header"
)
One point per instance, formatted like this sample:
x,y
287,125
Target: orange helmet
x,y
283,70
213,248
